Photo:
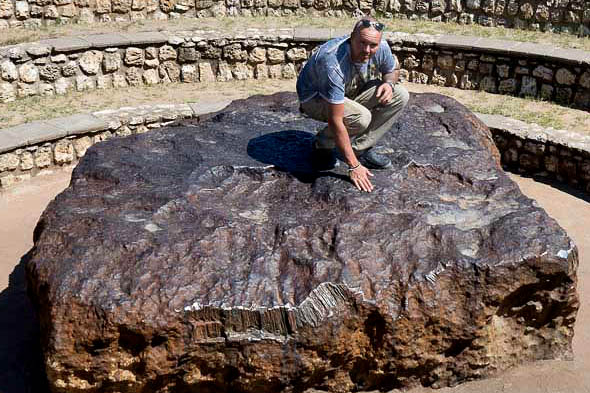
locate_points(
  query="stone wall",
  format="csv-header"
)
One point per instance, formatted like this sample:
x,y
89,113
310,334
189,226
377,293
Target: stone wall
x,y
546,153
118,60
572,16
57,146
113,61
545,159
510,68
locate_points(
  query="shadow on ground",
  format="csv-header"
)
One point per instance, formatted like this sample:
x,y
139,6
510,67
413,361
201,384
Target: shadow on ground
x,y
21,364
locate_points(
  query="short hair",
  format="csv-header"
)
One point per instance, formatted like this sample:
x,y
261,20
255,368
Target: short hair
x,y
359,23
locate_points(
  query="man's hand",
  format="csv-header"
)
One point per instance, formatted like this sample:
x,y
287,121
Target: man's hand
x,y
384,93
360,178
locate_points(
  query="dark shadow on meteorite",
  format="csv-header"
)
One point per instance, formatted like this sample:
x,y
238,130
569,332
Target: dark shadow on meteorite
x,y
288,151
21,363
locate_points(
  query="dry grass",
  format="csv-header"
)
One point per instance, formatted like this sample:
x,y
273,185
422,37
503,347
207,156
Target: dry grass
x,y
561,40
529,110
38,108
555,39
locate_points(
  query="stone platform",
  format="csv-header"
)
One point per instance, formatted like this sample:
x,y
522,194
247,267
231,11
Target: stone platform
x,y
209,256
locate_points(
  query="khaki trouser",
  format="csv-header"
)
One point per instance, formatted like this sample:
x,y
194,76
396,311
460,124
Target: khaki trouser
x,y
364,117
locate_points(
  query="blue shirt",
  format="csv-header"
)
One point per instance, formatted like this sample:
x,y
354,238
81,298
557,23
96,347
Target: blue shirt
x,y
329,71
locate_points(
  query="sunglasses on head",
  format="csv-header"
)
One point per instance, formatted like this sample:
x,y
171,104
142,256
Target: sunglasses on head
x,y
369,23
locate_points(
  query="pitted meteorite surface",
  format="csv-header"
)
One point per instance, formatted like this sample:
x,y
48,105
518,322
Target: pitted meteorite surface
x,y
210,256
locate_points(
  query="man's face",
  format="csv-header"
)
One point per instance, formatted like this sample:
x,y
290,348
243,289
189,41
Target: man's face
x,y
364,44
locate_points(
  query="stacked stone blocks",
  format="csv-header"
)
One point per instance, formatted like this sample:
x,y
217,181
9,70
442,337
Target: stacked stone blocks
x,y
544,153
45,70
571,16
115,60
545,76
59,146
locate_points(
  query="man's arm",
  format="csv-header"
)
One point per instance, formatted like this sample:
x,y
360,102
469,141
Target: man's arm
x,y
385,91
359,175
392,76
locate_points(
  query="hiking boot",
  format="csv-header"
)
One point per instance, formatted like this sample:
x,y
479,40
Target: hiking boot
x,y
374,160
322,159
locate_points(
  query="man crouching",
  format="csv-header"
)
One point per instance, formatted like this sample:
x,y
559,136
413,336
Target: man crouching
x,y
335,87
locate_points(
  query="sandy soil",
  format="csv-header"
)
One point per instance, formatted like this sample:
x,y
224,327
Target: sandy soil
x,y
20,208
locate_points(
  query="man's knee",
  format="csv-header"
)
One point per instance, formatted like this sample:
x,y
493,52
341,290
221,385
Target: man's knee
x,y
358,121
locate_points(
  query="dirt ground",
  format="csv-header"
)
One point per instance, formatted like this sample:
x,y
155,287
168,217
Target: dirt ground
x,y
21,206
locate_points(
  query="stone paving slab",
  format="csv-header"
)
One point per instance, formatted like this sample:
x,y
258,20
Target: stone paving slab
x,y
576,56
530,48
488,44
334,33
107,40
9,140
78,124
285,34
41,131
208,107
496,46
146,37
66,44
499,122
308,34
457,42
300,34
33,133
536,132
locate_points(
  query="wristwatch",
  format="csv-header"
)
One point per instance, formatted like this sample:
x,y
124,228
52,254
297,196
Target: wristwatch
x,y
391,84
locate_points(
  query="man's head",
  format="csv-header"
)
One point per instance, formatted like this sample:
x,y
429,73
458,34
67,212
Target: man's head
x,y
365,39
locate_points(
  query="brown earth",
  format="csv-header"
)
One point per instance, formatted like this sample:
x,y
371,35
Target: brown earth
x,y
20,208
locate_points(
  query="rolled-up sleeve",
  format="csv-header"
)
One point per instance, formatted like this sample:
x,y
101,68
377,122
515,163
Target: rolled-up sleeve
x,y
387,62
331,86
